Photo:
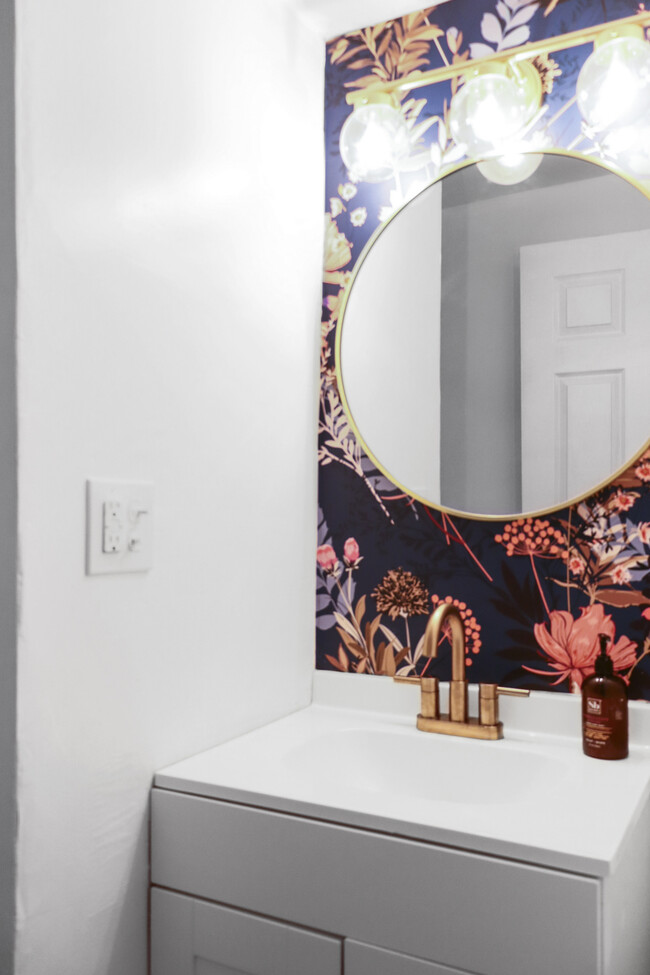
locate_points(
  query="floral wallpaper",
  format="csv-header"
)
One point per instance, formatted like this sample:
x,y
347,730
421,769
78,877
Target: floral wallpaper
x,y
534,592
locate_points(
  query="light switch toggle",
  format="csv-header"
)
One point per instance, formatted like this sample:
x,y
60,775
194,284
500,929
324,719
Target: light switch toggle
x,y
138,512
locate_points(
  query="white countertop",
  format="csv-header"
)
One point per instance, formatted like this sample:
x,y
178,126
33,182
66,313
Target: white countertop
x,y
531,797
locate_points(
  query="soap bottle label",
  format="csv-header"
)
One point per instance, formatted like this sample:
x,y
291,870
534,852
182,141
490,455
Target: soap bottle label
x,y
602,718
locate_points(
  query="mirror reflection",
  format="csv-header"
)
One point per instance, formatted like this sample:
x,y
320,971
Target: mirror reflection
x,y
495,341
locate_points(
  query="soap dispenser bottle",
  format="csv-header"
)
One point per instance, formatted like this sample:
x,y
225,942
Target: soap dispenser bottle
x,y
604,709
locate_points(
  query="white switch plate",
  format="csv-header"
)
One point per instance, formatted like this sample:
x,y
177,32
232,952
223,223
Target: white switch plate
x,y
118,526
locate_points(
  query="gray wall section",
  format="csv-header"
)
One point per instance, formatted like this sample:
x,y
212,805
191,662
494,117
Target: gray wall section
x,y
8,492
480,393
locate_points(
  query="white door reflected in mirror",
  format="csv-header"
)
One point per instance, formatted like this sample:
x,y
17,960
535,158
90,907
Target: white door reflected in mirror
x,y
585,329
438,314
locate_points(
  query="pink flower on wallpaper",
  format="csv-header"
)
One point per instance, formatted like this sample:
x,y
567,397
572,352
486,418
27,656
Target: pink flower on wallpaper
x,y
644,532
351,552
623,501
326,558
620,575
646,613
642,471
571,645
576,565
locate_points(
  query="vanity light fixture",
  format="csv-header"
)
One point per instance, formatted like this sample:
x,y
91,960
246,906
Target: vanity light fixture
x,y
613,94
511,167
499,103
629,147
374,138
613,87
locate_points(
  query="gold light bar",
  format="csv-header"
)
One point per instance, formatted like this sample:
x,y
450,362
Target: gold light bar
x,y
534,49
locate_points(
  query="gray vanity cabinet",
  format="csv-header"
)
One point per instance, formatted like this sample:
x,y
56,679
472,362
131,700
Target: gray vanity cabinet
x,y
194,937
363,959
288,887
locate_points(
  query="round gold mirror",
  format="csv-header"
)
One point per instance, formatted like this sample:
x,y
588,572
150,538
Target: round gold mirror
x,y
495,340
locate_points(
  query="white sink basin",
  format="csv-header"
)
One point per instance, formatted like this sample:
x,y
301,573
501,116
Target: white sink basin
x,y
530,796
423,766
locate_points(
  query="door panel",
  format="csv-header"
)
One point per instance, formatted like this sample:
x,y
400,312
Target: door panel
x,y
363,959
585,351
193,937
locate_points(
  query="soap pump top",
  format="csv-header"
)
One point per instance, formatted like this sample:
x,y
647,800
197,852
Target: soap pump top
x,y
604,709
603,666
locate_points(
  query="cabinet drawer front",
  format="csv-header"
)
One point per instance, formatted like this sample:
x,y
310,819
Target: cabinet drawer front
x,y
489,916
367,960
190,937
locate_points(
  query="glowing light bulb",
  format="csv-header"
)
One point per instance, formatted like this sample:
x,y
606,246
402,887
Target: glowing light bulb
x,y
629,147
493,106
613,86
510,168
374,139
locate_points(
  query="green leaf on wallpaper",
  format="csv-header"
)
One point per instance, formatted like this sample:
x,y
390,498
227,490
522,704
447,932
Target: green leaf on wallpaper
x,y
371,629
350,53
419,129
391,636
426,34
386,660
621,598
367,79
360,610
491,28
381,50
354,648
325,621
402,655
523,15
346,625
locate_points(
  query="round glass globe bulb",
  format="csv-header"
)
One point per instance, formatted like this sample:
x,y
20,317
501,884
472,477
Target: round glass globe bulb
x,y
629,147
510,168
613,86
374,139
487,111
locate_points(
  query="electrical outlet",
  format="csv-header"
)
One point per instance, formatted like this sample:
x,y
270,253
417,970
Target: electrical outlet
x,y
113,532
113,541
118,527
113,513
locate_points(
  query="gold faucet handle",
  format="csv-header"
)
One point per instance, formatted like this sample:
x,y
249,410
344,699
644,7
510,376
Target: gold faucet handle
x,y
488,701
429,707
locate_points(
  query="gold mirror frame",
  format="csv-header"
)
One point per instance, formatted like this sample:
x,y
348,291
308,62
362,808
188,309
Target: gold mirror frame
x,y
643,188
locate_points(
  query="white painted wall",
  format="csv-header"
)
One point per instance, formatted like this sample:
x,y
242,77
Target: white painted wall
x,y
169,251
8,493
334,17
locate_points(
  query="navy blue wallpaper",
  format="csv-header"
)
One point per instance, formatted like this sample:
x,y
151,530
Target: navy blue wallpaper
x,y
534,592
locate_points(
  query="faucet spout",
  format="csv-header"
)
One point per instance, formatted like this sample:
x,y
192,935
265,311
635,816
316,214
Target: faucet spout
x,y
487,726
447,612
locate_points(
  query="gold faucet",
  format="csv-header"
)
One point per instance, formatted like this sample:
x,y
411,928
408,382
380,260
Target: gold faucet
x,y
458,684
457,722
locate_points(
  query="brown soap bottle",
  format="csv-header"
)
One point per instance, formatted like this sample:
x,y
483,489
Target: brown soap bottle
x,y
604,709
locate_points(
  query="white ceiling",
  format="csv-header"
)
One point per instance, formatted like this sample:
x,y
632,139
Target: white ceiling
x,y
329,18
